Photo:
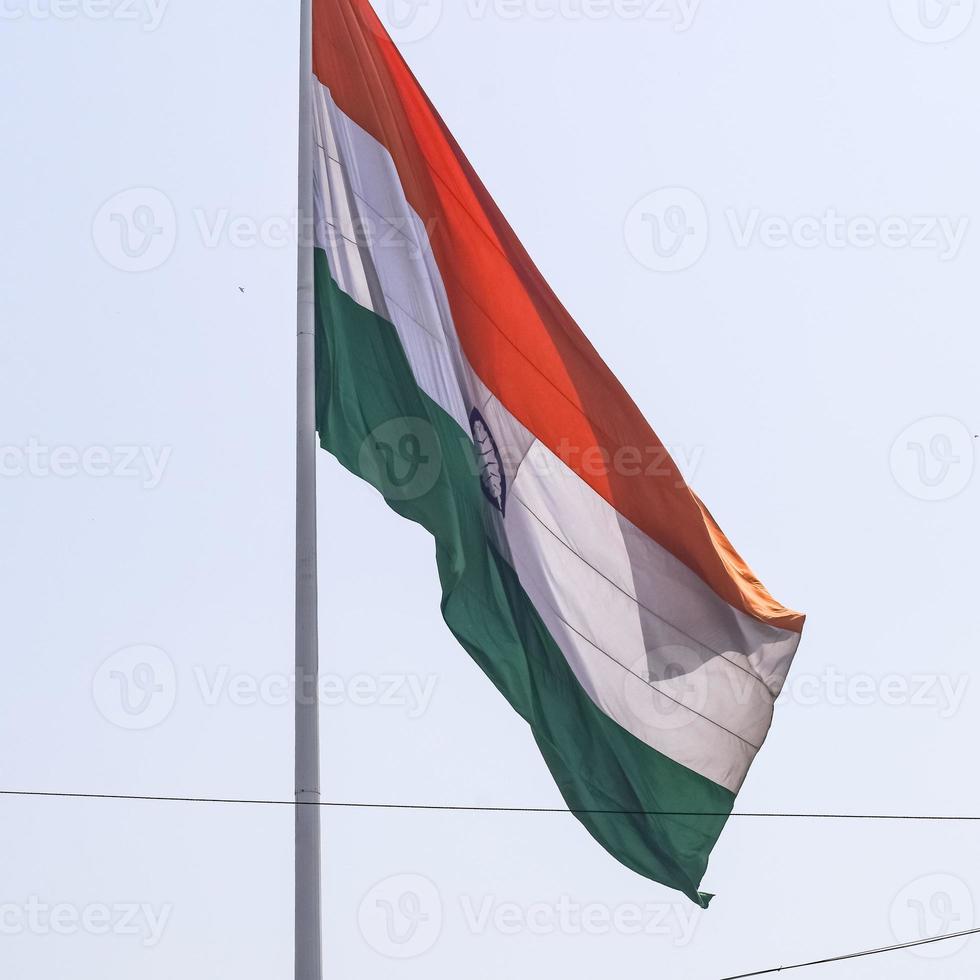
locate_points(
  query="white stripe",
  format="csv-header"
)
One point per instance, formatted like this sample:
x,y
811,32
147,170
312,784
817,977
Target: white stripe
x,y
655,648
379,250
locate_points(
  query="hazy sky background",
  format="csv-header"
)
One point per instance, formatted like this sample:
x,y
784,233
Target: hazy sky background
x,y
810,352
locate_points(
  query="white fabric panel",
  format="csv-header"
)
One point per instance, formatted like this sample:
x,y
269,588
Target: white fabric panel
x,y
603,641
651,643
579,528
378,249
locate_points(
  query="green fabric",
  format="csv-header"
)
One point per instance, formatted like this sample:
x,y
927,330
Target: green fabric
x,y
375,419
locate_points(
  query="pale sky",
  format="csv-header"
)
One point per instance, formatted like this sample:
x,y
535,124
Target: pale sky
x,y
808,350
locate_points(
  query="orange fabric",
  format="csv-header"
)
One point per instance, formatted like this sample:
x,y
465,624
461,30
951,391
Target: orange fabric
x,y
516,334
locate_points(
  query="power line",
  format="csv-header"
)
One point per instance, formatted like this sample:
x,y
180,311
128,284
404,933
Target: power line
x,y
856,956
224,801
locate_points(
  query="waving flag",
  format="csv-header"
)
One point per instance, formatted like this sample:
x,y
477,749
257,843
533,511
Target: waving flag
x,y
578,570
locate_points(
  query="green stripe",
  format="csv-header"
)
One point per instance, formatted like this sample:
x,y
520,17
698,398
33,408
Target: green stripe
x,y
375,419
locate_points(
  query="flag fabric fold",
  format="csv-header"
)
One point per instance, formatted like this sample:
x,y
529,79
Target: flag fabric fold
x,y
577,568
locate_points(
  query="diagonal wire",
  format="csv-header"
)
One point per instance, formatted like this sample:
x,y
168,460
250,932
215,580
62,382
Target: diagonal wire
x,y
439,808
856,956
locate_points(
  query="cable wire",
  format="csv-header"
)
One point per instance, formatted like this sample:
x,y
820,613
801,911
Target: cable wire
x,y
547,810
326,804
856,956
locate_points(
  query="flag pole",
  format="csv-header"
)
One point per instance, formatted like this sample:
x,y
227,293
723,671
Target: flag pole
x,y
308,939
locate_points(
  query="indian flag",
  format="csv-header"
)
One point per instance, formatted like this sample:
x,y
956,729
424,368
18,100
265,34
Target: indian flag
x,y
578,569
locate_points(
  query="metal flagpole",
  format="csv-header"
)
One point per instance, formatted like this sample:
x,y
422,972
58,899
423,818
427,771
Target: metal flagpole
x,y
309,964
